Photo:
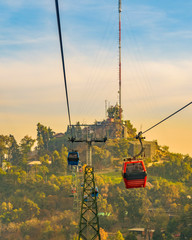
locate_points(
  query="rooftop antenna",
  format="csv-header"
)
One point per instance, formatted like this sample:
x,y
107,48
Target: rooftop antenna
x,y
106,109
120,114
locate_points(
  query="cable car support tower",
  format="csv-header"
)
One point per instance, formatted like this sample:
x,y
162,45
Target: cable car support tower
x,y
89,220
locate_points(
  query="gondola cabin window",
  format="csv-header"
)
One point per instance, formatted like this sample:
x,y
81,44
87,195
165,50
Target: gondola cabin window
x,y
134,174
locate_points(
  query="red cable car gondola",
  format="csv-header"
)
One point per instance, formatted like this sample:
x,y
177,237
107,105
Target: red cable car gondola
x,y
134,173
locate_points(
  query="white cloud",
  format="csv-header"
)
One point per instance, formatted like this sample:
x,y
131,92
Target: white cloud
x,y
144,16
26,40
31,82
181,34
12,4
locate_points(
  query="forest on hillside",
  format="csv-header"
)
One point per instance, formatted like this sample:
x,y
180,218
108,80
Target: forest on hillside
x,y
36,201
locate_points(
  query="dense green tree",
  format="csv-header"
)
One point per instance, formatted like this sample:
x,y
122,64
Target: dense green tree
x,y
113,147
131,131
186,222
101,157
119,236
123,146
25,145
56,143
14,154
177,168
44,160
103,234
43,171
113,112
63,160
3,147
158,235
131,236
56,160
172,225
103,206
44,135
30,209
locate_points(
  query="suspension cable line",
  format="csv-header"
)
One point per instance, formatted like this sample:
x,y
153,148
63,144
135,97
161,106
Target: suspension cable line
x,y
62,57
167,118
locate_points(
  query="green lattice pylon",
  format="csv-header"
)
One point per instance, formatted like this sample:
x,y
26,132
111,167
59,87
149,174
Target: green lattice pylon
x,y
75,189
89,221
76,183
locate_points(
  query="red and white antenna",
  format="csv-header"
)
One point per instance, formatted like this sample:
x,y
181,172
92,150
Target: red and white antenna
x,y
120,114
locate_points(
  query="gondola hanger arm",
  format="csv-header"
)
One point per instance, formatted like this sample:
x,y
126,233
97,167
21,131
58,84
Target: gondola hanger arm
x,y
140,138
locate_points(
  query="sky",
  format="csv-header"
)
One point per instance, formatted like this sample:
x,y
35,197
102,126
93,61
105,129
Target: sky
x,y
156,66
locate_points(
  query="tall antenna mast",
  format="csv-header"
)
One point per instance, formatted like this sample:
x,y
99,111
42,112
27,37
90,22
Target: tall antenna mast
x,y
120,60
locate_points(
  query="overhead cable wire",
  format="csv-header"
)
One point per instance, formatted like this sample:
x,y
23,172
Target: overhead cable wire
x,y
97,76
137,63
62,57
167,118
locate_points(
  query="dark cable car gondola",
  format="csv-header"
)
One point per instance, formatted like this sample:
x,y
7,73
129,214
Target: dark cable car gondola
x,y
85,198
134,171
73,191
80,167
95,192
73,158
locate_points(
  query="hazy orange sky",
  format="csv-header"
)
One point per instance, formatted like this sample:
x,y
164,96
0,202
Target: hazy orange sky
x,y
156,66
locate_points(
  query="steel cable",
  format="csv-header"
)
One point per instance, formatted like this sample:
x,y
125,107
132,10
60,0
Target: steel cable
x,y
62,56
167,118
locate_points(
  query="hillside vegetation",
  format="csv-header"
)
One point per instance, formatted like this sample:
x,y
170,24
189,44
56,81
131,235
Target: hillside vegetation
x,y
36,200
